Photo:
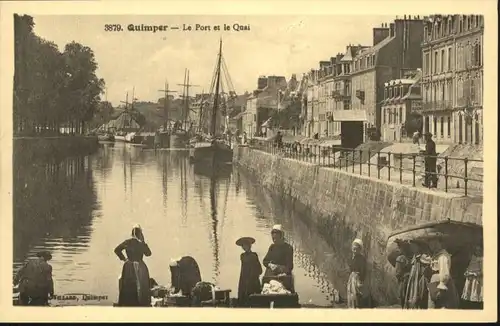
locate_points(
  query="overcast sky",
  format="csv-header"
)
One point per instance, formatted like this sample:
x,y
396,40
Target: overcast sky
x,y
275,45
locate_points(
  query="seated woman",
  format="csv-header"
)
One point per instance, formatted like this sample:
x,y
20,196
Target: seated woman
x,y
279,260
185,273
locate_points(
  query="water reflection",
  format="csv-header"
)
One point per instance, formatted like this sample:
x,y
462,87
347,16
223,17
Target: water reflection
x,y
53,206
83,207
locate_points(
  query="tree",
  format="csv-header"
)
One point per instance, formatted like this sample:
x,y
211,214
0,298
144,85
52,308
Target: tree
x,y
83,87
52,88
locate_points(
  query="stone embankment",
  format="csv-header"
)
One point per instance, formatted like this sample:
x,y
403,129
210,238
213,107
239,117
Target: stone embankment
x,y
348,203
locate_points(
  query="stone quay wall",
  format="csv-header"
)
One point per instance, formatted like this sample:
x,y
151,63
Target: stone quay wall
x,y
57,148
344,203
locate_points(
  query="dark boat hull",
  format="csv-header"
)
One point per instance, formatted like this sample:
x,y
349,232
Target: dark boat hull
x,y
454,235
179,140
215,153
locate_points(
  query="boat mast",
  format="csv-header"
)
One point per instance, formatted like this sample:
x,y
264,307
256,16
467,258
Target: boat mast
x,y
216,99
165,102
185,94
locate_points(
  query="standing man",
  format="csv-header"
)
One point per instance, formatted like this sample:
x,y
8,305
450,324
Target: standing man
x,y
35,281
430,161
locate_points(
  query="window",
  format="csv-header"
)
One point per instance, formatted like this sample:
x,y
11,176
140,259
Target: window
x,y
448,126
442,127
450,91
442,61
385,93
435,62
400,115
472,90
426,64
383,115
435,124
443,85
477,54
390,116
449,59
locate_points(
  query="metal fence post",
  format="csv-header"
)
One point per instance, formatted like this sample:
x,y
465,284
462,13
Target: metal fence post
x,y
446,173
389,165
400,167
369,165
353,160
333,154
378,164
413,170
360,162
465,175
329,156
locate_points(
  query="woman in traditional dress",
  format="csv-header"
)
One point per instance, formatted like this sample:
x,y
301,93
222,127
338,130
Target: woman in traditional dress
x,y
442,290
251,269
185,273
417,294
472,294
403,269
134,281
279,260
356,288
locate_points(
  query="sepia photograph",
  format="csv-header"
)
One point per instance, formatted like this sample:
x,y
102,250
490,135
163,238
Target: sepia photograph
x,y
332,161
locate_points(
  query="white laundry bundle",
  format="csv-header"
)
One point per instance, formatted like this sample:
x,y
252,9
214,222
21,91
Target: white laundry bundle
x,y
274,287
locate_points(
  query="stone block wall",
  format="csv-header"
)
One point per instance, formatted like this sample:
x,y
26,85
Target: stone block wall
x,y
345,203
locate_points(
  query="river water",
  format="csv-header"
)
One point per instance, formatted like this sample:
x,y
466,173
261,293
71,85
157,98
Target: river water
x,y
82,207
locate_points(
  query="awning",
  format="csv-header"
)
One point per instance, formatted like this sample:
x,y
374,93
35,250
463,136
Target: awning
x,y
239,115
349,115
267,123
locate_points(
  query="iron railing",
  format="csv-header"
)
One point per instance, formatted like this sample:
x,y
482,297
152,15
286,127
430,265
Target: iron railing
x,y
388,165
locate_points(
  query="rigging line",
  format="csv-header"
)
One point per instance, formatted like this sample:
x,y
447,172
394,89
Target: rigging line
x,y
228,75
214,74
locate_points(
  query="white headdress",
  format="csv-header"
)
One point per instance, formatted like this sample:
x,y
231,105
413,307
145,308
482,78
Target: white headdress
x,y
359,242
278,227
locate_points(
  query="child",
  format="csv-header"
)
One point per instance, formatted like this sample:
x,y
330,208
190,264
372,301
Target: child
x,y
251,269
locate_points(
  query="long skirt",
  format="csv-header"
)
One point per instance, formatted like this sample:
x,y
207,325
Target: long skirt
x,y
449,298
356,292
134,285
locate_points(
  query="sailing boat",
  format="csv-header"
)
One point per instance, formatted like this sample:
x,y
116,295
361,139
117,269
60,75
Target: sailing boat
x,y
212,149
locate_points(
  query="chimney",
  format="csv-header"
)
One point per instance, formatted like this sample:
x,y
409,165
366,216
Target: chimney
x,y
379,34
391,30
262,82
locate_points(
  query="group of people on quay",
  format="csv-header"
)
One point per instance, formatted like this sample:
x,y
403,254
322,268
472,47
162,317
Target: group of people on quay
x,y
426,280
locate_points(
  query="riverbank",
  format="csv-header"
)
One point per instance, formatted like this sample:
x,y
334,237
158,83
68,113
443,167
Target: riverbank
x,y
352,205
57,147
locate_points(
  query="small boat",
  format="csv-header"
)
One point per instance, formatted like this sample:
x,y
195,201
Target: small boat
x,y
106,137
129,137
455,236
120,137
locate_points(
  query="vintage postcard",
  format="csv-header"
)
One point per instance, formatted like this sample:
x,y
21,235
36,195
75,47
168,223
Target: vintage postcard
x,y
248,161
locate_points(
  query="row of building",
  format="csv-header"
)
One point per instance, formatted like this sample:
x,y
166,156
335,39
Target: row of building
x,y
421,74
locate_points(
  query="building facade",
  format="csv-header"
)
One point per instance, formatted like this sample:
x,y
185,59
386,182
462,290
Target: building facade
x,y
400,97
261,103
311,124
372,67
452,83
